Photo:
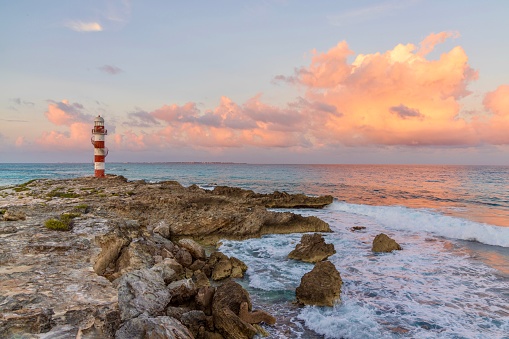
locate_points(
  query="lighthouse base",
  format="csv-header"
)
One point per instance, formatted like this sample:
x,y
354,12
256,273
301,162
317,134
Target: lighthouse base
x,y
99,173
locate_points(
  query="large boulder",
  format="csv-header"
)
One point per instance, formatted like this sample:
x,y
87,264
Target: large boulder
x,y
312,248
158,328
225,309
182,291
383,243
142,291
321,286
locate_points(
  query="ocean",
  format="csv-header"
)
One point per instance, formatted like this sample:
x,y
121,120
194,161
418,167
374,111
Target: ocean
x,y
451,280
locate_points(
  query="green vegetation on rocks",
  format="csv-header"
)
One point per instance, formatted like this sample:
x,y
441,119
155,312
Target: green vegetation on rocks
x,y
62,224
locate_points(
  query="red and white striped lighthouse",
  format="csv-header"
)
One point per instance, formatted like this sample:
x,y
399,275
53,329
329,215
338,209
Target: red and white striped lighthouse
x,y
100,152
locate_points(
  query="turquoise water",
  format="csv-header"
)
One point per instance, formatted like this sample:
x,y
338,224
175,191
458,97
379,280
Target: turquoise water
x,y
450,281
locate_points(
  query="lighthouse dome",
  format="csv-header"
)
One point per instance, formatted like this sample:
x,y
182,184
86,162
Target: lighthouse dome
x,y
99,119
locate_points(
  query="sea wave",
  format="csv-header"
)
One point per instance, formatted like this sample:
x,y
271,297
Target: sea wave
x,y
405,218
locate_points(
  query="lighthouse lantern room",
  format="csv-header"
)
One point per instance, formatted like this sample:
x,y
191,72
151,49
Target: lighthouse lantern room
x,y
100,151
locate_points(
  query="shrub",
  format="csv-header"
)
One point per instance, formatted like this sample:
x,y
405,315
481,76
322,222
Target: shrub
x,y
56,225
64,224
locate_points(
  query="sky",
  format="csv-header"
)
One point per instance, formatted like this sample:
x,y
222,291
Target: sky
x,y
265,81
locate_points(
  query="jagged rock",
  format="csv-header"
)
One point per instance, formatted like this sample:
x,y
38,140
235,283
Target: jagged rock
x,y
183,257
357,228
255,317
197,265
176,311
200,279
194,320
142,291
134,257
225,310
111,246
196,250
203,299
162,327
321,286
383,243
238,268
18,322
312,248
222,269
163,229
285,200
164,268
182,291
12,215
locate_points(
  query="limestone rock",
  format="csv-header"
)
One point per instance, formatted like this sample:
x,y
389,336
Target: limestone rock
x,y
225,310
183,257
312,248
134,257
321,286
23,321
203,299
222,269
196,250
383,243
255,317
163,229
166,271
142,291
182,291
162,327
13,215
194,320
238,268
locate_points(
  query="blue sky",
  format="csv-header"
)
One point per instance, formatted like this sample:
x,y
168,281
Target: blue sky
x,y
255,81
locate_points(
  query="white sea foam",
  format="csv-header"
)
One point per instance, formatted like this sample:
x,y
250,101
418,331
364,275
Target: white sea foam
x,y
404,218
431,289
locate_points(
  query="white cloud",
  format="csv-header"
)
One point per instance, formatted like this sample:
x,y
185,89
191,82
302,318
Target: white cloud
x,y
80,26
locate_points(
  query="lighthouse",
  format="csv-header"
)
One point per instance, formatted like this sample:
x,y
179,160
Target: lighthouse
x,y
100,152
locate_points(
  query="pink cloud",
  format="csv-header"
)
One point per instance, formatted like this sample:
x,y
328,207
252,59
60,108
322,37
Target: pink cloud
x,y
64,113
77,138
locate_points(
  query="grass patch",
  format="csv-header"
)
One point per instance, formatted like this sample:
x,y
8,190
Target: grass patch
x,y
59,194
2,212
62,224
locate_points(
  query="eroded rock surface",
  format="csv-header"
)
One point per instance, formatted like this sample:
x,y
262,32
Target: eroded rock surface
x,y
135,236
321,286
312,248
383,243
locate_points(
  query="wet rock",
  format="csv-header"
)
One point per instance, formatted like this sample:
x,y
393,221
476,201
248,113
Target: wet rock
x,y
383,243
222,269
142,291
196,250
312,248
285,200
255,317
321,286
225,310
357,228
157,327
238,268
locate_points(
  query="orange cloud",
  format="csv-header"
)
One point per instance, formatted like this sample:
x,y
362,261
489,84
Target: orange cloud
x,y
398,97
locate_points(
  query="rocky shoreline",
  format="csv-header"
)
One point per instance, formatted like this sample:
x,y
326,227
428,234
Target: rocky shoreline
x,y
137,257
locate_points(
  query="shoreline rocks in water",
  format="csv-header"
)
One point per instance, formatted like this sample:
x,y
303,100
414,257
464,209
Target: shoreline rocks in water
x,y
312,248
321,286
383,243
131,263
